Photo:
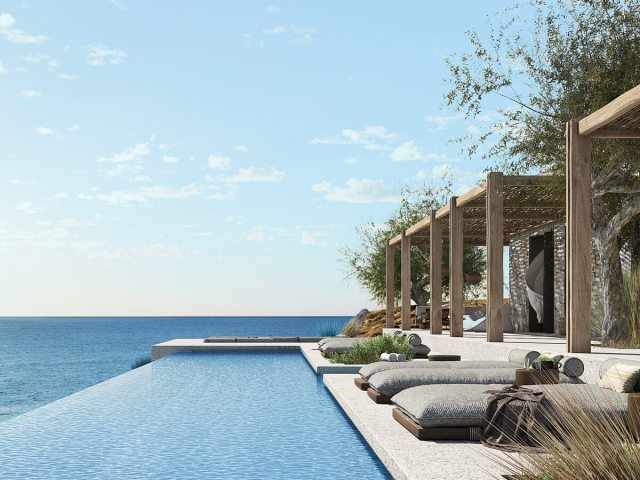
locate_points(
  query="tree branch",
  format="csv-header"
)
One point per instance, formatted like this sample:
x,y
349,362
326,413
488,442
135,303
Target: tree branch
x,y
631,189
623,217
524,105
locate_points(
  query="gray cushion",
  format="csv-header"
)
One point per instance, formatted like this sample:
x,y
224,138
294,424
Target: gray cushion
x,y
464,405
368,370
571,366
339,344
519,355
391,382
446,405
478,314
414,339
421,349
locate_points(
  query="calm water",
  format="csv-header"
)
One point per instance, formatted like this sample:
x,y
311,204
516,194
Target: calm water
x,y
44,359
193,415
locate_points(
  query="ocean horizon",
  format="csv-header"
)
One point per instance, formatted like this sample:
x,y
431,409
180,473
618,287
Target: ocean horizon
x,y
43,359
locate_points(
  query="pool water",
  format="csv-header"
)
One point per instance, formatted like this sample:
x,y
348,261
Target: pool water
x,y
193,415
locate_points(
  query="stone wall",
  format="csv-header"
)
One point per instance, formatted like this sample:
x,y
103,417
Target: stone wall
x,y
518,264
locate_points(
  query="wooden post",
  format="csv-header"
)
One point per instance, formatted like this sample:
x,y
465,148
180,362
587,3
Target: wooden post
x,y
405,280
495,242
435,274
578,246
456,253
390,286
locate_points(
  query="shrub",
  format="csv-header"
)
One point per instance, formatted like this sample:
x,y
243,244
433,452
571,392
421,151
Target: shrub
x,y
370,350
329,328
581,442
140,361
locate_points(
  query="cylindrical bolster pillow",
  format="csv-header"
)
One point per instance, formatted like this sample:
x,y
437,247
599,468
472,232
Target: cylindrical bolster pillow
x,y
520,355
607,364
397,333
571,367
414,340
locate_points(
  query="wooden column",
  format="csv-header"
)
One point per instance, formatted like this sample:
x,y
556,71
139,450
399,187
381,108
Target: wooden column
x,y
405,280
456,275
435,274
390,286
495,242
578,246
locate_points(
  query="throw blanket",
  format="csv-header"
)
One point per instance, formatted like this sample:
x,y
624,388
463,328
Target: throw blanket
x,y
510,416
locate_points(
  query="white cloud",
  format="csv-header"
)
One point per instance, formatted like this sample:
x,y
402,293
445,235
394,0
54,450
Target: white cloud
x,y
259,234
28,208
218,162
255,174
73,128
357,191
371,138
123,169
241,148
272,9
278,29
2,69
440,122
169,159
160,191
161,250
351,161
100,55
30,93
313,239
142,195
407,151
221,196
129,155
16,35
298,35
44,131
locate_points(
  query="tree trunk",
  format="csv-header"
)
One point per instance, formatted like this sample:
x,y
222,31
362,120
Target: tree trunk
x,y
418,292
615,325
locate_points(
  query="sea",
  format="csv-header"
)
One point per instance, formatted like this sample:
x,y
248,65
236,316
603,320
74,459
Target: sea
x,y
43,359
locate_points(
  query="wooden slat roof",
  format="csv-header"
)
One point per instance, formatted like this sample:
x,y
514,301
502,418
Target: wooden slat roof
x,y
529,202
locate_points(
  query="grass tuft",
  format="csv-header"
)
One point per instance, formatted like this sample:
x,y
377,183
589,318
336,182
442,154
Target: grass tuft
x,y
328,328
582,441
370,350
140,361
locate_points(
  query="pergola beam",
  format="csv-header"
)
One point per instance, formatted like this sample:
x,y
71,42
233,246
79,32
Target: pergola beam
x,y
495,242
456,253
608,114
405,281
390,280
578,254
435,274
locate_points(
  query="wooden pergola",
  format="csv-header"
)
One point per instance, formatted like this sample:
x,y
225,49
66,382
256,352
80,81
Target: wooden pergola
x,y
618,119
501,206
487,215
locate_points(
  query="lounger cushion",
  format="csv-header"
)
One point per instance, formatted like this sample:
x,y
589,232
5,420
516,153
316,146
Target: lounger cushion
x,y
464,405
368,370
478,314
446,405
339,344
391,382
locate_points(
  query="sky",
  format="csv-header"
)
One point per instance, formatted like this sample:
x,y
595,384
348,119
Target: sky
x,y
210,158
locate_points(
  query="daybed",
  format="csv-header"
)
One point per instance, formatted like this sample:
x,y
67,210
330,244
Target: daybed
x,y
456,412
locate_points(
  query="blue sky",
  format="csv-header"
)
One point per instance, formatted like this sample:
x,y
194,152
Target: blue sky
x,y
208,158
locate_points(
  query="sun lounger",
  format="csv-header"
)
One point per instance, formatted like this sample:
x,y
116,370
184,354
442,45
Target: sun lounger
x,y
334,345
456,412
516,360
385,385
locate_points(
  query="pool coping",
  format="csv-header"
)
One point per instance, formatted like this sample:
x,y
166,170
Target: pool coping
x,y
309,350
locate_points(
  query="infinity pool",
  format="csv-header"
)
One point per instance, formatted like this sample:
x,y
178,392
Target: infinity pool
x,y
190,415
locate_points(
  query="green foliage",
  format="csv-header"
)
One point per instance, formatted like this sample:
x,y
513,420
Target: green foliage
x,y
631,296
366,262
370,350
329,328
584,441
141,361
